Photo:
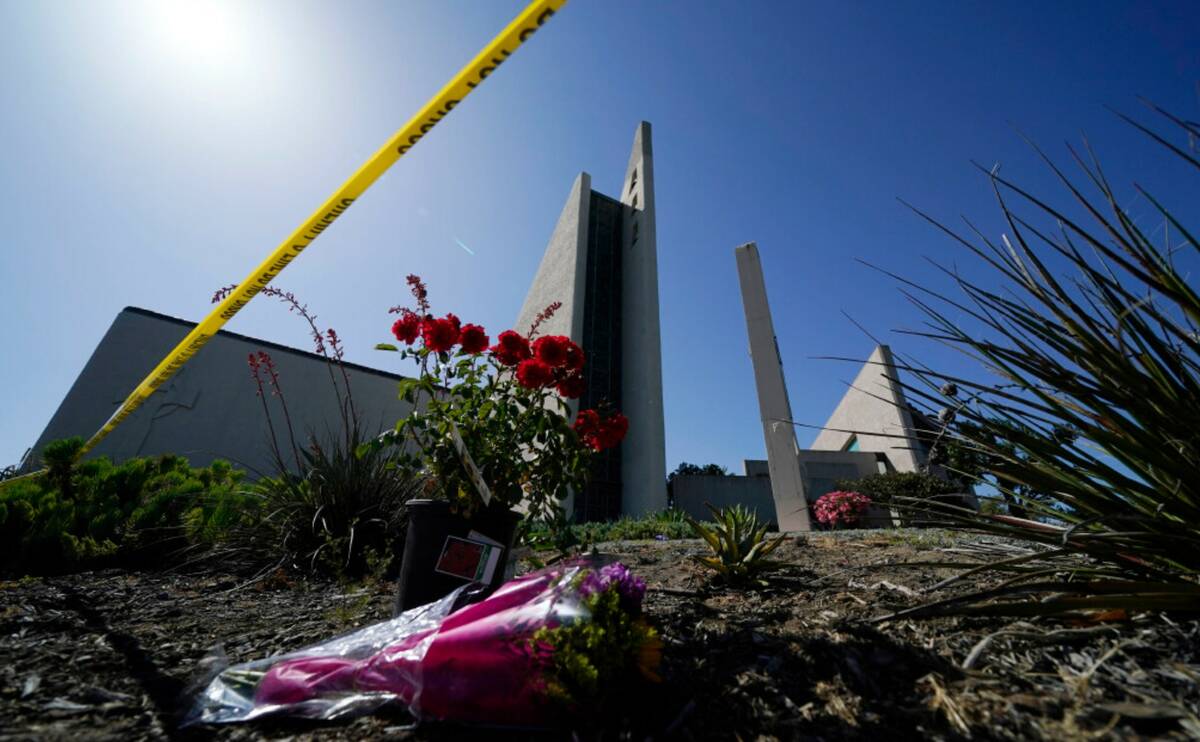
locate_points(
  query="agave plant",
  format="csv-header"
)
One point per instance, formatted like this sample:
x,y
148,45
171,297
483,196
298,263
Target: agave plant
x,y
738,541
1097,408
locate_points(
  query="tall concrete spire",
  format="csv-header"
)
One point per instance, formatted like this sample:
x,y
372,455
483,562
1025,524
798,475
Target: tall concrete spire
x,y
562,274
644,462
602,264
787,485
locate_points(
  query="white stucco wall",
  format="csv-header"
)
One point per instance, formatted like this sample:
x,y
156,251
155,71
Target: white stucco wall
x,y
210,409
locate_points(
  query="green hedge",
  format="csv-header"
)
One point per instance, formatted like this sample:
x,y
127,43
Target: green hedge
x,y
97,513
668,524
883,488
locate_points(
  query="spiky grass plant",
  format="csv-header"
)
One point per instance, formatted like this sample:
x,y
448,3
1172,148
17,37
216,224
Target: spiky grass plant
x,y
738,541
344,515
1098,408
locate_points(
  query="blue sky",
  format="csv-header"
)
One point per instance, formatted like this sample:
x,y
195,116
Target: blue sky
x,y
155,151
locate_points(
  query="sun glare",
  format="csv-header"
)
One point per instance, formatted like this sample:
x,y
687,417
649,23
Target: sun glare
x,y
205,34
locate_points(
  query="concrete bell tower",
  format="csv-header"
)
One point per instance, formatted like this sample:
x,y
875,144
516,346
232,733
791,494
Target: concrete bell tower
x,y
602,264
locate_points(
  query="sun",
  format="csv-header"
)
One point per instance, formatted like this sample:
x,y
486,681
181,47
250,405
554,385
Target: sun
x,y
204,34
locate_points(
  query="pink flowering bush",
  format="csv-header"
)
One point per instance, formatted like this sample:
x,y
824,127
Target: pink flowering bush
x,y
837,509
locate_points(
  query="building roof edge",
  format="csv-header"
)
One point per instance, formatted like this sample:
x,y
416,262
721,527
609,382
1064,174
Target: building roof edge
x,y
266,343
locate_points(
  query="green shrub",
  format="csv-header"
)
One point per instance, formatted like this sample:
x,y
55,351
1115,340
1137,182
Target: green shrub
x,y
79,516
883,489
669,524
905,492
343,515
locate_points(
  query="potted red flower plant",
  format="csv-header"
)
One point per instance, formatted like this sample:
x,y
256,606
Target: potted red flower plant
x,y
493,438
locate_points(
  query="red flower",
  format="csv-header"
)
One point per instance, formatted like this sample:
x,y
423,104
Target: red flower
x,y
473,339
613,430
407,327
587,422
574,357
454,320
572,386
534,374
440,335
552,350
511,348
600,434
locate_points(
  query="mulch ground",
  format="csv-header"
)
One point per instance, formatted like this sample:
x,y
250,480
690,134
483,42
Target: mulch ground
x,y
113,655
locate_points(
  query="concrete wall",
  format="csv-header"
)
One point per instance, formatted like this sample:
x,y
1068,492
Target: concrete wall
x,y
562,274
210,408
756,468
693,490
818,470
821,469
643,453
874,410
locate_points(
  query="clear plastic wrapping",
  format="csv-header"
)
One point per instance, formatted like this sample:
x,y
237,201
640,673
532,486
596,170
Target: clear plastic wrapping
x,y
539,645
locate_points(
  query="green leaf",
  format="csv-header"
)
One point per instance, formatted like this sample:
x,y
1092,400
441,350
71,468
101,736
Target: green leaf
x,y
407,387
386,346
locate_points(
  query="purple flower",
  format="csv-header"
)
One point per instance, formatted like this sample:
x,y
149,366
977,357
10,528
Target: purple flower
x,y
615,576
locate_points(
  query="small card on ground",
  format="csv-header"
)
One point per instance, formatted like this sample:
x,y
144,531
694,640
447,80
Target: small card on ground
x,y
468,559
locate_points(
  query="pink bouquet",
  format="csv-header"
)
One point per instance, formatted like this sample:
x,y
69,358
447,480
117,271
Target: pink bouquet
x,y
542,645
841,508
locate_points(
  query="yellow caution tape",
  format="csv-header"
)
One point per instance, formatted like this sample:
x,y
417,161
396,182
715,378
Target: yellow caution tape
x,y
477,70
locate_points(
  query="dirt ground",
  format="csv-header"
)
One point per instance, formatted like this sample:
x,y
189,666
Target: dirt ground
x,y
114,655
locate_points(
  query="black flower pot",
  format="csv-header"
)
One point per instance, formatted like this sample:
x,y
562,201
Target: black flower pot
x,y
444,551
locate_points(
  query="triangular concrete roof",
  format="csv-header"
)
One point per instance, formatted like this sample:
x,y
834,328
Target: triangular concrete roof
x,y
874,412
